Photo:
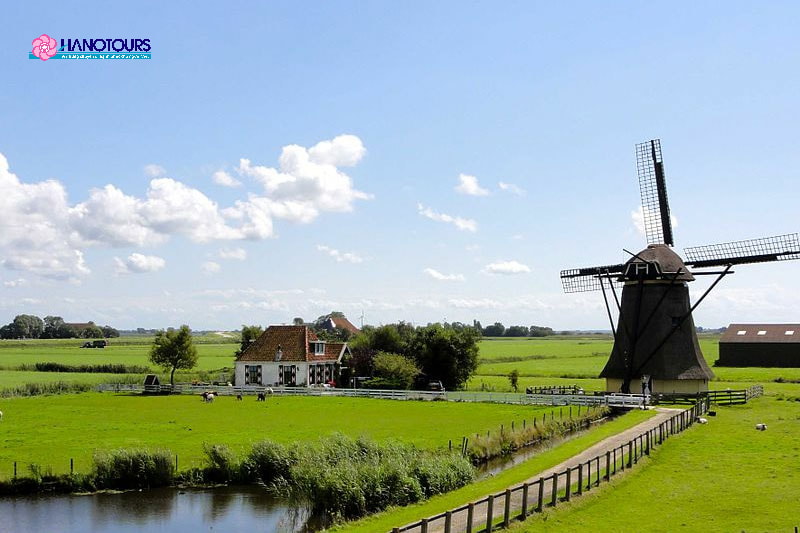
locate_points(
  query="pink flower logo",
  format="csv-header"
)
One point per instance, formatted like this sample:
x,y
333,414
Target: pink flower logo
x,y
44,47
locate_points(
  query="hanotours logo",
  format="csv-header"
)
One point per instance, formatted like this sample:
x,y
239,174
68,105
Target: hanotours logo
x,y
46,47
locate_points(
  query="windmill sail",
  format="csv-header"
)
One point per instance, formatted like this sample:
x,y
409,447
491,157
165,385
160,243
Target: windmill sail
x,y
765,250
590,278
653,187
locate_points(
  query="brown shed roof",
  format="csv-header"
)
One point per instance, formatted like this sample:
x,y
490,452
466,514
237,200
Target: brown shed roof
x,y
762,333
295,345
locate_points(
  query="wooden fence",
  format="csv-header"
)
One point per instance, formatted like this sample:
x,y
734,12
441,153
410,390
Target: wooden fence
x,y
498,510
719,397
613,400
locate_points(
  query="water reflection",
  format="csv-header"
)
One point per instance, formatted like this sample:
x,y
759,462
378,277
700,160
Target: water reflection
x,y
163,510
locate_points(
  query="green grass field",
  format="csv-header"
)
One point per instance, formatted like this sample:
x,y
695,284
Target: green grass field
x,y
723,476
50,430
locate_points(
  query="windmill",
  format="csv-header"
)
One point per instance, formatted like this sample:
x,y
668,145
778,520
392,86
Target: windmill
x,y
655,342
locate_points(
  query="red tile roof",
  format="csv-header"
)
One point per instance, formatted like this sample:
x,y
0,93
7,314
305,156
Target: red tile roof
x,y
295,345
343,323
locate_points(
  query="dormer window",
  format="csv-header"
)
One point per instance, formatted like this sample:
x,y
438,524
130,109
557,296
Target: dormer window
x,y
278,353
742,332
789,332
762,332
319,348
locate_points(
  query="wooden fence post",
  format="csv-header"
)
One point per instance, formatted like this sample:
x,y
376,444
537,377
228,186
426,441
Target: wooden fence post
x,y
15,470
448,521
580,479
524,501
423,525
71,466
489,509
470,516
614,451
396,530
554,491
541,494
630,454
589,474
507,509
569,483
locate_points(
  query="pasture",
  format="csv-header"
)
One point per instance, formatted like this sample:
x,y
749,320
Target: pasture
x,y
725,476
49,430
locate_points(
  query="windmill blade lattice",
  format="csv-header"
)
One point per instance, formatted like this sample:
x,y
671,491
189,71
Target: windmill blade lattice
x,y
590,278
652,184
777,248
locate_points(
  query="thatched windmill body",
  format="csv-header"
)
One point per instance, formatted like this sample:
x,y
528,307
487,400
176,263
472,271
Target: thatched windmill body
x,y
655,341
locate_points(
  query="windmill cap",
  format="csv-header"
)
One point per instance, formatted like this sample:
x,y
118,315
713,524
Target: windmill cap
x,y
666,258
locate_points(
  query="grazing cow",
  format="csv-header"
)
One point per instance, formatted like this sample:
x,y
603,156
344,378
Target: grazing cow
x,y
261,397
270,391
701,420
761,427
239,397
208,396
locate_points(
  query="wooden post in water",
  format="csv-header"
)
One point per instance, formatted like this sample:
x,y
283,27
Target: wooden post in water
x,y
71,466
15,470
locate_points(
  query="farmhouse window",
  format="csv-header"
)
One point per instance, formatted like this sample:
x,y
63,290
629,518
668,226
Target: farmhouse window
x,y
789,332
319,348
742,332
762,332
252,375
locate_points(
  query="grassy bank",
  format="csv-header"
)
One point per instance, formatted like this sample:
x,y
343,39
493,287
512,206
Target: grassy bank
x,y
724,476
52,429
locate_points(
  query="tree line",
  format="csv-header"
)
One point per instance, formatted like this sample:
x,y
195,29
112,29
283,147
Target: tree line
x,y
52,327
499,330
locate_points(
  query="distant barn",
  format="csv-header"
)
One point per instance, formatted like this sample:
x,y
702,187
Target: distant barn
x,y
776,345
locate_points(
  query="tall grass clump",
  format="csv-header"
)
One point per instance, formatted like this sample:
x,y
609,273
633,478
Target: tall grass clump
x,y
344,478
482,447
105,368
221,465
133,469
38,389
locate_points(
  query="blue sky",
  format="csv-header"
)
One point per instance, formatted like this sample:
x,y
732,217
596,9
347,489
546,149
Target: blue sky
x,y
117,201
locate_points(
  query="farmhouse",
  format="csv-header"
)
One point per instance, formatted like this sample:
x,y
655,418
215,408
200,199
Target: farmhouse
x,y
776,345
334,322
289,355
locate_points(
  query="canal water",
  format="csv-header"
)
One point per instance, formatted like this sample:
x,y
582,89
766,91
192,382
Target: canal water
x,y
227,510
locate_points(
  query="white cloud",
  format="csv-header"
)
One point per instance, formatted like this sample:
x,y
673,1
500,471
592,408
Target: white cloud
x,y
472,247
220,177
154,171
210,267
340,257
137,263
506,268
510,187
239,254
307,182
13,283
479,303
638,216
464,224
469,185
435,274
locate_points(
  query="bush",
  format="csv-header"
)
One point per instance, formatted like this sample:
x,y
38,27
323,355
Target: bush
x,y
133,469
221,465
38,389
270,462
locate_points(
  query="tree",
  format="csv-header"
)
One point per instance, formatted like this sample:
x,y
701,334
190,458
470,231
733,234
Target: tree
x,y
249,335
446,355
173,349
109,332
393,371
91,332
540,331
56,328
517,331
28,326
513,378
298,321
495,330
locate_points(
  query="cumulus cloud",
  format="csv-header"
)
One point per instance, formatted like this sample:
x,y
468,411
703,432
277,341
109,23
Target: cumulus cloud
x,y
210,267
348,257
479,303
45,235
239,254
506,268
469,185
137,263
464,224
154,171
510,187
638,217
13,283
435,274
220,177
307,181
